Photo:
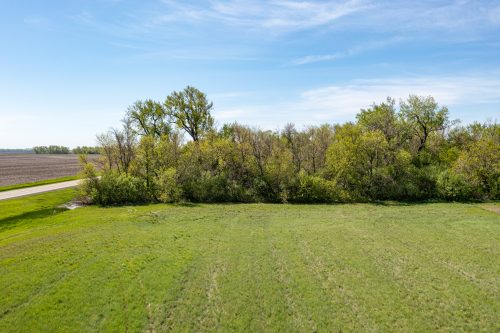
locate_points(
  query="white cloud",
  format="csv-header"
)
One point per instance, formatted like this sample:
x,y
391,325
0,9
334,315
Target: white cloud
x,y
230,114
341,102
494,15
274,15
39,22
459,16
292,15
350,52
454,20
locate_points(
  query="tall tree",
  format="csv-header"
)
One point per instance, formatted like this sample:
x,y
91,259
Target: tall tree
x,y
149,118
191,111
423,116
380,117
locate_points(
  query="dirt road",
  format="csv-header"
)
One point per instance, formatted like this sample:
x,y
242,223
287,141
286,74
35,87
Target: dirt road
x,y
37,189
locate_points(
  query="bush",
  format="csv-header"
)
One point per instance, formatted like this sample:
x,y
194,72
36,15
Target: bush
x,y
453,186
114,188
89,187
167,187
314,189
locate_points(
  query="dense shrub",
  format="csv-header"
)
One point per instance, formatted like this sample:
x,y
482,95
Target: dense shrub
x,y
315,189
112,188
118,188
168,189
479,165
453,186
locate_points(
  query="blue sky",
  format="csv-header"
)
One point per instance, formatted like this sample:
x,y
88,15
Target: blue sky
x,y
69,69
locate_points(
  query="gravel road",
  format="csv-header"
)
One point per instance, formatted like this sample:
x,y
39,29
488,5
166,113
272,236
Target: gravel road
x,y
37,189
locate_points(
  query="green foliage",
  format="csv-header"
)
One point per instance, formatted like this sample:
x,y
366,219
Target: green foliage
x,y
408,153
51,150
383,118
453,186
315,189
118,188
149,118
479,165
191,111
84,150
168,189
112,187
422,116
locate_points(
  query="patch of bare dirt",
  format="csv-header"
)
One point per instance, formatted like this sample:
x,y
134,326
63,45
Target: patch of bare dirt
x,y
492,208
25,168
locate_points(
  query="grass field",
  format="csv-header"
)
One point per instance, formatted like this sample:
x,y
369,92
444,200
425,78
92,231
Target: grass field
x,y
248,268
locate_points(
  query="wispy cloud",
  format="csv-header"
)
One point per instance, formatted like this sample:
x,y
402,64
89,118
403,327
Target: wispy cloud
x,y
459,19
341,102
370,46
293,15
464,16
348,99
275,15
39,22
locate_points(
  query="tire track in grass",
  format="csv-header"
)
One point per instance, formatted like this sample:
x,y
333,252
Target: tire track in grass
x,y
171,304
376,296
212,309
404,264
186,300
300,319
422,289
147,305
307,289
404,268
333,287
211,314
421,245
110,268
46,286
460,230
253,300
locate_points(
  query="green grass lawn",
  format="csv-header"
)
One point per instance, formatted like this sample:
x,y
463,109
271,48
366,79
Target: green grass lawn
x,y
248,268
40,182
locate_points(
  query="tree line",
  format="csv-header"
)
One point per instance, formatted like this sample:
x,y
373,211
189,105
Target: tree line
x,y
409,151
65,150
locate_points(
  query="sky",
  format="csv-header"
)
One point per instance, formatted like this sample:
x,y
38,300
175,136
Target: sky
x,y
70,69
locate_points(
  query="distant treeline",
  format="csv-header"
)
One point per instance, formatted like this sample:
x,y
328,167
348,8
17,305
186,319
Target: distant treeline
x,y
16,151
408,151
65,150
85,150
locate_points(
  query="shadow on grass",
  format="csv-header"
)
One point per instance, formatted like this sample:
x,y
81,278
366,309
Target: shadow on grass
x,y
187,204
13,221
145,204
425,202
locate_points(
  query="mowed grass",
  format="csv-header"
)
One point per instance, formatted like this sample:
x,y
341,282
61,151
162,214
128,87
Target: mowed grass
x,y
248,268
